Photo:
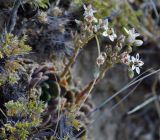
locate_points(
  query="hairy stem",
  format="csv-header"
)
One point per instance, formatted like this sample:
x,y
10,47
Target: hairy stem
x,y
98,45
73,58
88,89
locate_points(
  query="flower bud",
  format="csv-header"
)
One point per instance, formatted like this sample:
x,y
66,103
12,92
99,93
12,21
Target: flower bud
x,y
100,60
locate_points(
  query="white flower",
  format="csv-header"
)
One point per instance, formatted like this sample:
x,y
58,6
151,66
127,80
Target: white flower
x,y
88,10
110,33
89,13
104,25
132,34
136,63
132,37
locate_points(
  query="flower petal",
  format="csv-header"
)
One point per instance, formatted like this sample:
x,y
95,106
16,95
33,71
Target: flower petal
x,y
133,67
133,59
140,63
111,37
138,70
136,34
84,6
138,43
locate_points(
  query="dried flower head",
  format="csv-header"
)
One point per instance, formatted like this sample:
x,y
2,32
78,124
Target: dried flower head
x,y
42,17
101,59
125,58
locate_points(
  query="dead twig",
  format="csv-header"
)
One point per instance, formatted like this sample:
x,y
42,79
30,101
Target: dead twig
x,y
13,17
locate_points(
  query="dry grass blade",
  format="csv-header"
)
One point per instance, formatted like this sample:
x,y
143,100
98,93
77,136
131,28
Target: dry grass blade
x,y
142,105
117,93
113,107
134,81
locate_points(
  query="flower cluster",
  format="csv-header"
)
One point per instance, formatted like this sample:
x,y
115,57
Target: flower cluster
x,y
134,63
99,24
129,39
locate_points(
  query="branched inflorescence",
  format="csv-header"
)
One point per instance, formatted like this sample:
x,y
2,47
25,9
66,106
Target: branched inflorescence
x,y
121,45
53,107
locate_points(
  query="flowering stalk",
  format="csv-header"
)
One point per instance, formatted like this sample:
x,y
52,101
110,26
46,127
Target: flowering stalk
x,y
112,54
80,99
88,89
73,58
98,46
